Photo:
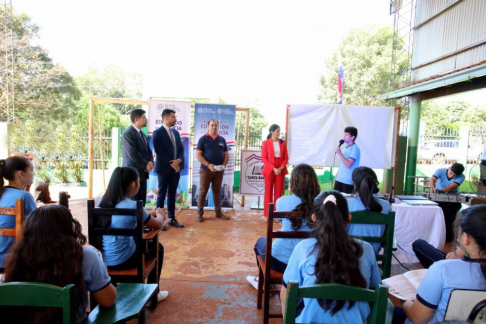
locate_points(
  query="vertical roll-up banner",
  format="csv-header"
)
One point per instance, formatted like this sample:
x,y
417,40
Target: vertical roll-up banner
x,y
225,115
183,115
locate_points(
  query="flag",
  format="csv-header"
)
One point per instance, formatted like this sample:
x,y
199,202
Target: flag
x,y
340,84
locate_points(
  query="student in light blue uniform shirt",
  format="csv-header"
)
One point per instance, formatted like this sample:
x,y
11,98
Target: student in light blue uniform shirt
x,y
62,260
19,171
356,265
349,160
119,251
366,184
444,276
304,186
448,180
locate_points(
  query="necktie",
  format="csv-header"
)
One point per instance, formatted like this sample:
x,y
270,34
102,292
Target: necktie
x,y
172,138
143,136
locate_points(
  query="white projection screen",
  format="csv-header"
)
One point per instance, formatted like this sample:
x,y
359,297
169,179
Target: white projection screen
x,y
314,131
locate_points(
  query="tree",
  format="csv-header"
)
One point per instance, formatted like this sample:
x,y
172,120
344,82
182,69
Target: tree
x,y
110,118
366,58
112,82
42,88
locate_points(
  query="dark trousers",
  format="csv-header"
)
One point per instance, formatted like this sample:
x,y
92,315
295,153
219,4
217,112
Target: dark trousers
x,y
426,253
260,249
168,183
142,192
208,177
450,210
342,187
132,262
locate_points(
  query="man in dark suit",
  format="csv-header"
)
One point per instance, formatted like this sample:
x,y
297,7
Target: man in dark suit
x,y
136,151
170,156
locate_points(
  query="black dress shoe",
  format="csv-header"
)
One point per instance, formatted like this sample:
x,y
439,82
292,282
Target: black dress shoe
x,y
174,222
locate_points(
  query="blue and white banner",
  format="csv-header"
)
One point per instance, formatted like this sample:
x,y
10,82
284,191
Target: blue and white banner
x,y
225,115
183,115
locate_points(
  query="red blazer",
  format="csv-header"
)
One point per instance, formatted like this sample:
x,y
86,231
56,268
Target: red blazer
x,y
268,157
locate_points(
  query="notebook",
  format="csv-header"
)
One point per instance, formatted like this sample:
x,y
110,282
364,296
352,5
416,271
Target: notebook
x,y
420,202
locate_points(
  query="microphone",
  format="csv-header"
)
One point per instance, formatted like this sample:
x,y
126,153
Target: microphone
x,y
341,142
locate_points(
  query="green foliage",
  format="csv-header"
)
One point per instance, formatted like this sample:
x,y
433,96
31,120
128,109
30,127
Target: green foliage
x,y
42,89
110,117
112,82
453,114
366,55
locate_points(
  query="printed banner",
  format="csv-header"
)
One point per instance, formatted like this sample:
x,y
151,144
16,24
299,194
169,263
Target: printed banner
x,y
251,181
183,115
225,115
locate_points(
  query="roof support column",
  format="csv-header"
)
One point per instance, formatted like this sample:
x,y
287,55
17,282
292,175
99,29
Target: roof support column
x,y
413,137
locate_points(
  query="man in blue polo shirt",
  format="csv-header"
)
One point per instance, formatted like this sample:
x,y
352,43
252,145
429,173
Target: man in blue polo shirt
x,y
350,157
448,180
212,152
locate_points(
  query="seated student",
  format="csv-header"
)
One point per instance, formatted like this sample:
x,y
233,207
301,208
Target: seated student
x,y
304,187
19,171
445,275
331,256
51,251
448,180
366,184
119,251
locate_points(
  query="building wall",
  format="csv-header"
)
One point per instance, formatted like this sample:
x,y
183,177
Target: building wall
x,y
452,40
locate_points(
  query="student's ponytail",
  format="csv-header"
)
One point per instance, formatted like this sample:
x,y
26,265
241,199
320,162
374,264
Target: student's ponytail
x,y
338,255
365,181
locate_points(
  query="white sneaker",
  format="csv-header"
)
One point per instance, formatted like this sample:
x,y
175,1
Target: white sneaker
x,y
253,281
162,295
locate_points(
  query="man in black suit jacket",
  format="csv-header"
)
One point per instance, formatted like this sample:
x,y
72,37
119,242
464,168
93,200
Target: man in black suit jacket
x,y
136,151
170,160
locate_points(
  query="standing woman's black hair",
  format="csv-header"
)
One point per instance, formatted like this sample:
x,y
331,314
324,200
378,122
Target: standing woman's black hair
x,y
472,221
338,255
366,184
121,178
9,166
272,128
305,185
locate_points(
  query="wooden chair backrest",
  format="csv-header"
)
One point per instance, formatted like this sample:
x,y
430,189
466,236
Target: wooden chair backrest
x,y
136,233
19,213
386,241
41,295
334,291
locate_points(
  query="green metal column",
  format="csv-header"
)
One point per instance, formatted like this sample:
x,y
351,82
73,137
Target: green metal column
x,y
413,137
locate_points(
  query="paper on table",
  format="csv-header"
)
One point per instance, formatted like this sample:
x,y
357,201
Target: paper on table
x,y
405,286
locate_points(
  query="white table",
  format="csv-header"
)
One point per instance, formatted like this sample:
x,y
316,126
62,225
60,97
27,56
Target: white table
x,y
417,222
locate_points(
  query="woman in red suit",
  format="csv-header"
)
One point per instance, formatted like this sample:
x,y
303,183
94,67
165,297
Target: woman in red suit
x,y
275,158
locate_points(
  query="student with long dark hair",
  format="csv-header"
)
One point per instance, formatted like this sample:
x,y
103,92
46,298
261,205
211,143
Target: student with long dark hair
x,y
366,184
19,171
304,187
119,251
331,256
445,275
275,158
51,251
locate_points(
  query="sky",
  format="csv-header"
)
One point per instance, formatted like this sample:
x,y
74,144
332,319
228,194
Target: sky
x,y
264,54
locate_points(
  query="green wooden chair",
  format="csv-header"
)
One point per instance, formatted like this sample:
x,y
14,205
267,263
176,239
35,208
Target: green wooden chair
x,y
379,298
369,217
41,295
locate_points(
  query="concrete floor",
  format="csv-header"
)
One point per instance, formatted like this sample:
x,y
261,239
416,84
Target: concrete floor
x,y
205,267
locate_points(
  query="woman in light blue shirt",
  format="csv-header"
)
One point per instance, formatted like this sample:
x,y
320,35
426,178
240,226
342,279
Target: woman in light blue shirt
x,y
331,256
444,276
19,171
119,251
304,187
366,184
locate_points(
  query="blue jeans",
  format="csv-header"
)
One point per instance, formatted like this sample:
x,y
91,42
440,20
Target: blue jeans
x,y
260,249
426,253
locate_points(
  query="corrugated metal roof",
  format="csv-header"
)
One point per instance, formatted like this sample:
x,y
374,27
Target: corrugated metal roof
x,y
451,40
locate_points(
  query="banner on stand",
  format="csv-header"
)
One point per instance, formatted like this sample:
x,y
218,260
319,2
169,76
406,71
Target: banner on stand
x,y
225,115
183,114
252,182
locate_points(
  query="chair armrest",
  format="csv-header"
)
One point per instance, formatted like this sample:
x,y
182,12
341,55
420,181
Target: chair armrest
x,y
150,235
